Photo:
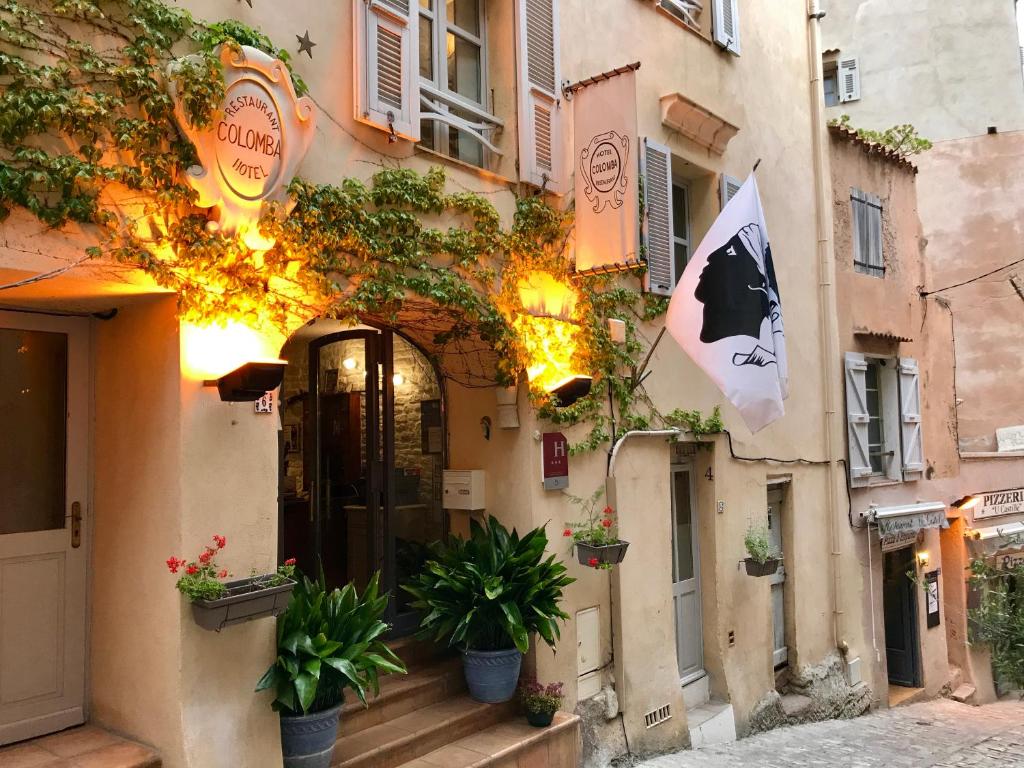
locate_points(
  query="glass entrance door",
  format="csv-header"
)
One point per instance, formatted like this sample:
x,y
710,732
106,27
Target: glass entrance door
x,y
361,488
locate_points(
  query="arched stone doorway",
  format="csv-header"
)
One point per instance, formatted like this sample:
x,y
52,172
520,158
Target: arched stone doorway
x,y
362,456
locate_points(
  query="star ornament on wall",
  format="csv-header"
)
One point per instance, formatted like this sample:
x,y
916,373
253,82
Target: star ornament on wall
x,y
305,44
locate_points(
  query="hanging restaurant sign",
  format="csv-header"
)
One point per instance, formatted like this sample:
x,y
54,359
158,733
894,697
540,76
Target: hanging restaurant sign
x,y
606,165
1000,503
909,518
251,151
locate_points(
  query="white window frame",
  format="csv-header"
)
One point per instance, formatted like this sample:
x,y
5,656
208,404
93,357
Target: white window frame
x,y
890,449
830,72
439,104
684,11
872,263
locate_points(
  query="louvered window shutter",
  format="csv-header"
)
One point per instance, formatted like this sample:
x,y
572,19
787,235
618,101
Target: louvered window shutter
x,y
849,79
725,24
728,186
867,233
386,65
656,168
910,419
857,419
540,110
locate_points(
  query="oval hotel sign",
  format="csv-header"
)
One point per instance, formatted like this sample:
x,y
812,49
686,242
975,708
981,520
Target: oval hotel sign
x,y
251,152
249,140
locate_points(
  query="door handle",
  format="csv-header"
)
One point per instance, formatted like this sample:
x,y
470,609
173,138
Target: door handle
x,y
76,524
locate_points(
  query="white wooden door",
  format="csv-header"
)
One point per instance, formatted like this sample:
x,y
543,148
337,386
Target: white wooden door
x,y
686,577
44,436
780,653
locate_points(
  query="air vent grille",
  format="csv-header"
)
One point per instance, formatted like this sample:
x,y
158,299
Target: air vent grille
x,y
658,716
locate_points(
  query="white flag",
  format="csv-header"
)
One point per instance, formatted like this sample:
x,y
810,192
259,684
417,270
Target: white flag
x,y
726,311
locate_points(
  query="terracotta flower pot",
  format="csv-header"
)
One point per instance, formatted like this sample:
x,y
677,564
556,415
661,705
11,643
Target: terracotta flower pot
x,y
245,601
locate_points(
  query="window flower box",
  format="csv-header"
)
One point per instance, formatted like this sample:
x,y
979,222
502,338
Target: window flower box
x,y
766,568
246,599
604,554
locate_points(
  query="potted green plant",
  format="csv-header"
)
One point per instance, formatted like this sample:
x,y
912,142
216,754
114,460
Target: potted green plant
x,y
486,595
218,603
540,701
596,539
762,558
327,641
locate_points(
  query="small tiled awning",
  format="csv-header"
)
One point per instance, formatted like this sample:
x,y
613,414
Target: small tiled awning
x,y
909,518
990,540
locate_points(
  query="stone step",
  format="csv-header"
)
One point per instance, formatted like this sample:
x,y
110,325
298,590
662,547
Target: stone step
x,y
964,693
512,743
401,694
417,653
711,723
81,746
416,733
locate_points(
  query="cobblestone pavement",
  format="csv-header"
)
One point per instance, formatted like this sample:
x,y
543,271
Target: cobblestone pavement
x,y
933,734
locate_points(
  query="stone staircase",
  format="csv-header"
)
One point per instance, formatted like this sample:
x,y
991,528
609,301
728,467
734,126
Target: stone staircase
x,y
427,720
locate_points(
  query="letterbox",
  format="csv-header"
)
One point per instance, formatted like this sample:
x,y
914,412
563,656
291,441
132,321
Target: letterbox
x,y
464,489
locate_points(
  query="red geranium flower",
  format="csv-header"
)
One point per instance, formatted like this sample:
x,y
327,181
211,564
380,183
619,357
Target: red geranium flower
x,y
592,562
192,569
290,561
205,557
223,574
220,541
567,532
609,511
607,523
173,564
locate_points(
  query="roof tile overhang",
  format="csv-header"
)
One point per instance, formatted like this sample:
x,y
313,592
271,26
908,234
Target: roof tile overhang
x,y
885,335
697,123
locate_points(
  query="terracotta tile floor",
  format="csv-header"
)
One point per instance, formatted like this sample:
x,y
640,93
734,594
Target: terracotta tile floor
x,y
84,747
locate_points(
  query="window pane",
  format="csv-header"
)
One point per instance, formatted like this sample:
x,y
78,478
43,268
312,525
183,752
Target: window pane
x,y
680,219
426,48
831,89
464,68
427,134
466,148
33,399
682,534
465,14
428,4
681,254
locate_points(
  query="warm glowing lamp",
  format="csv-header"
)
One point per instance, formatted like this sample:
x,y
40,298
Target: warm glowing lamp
x,y
211,350
967,502
398,379
349,363
250,381
549,332
923,558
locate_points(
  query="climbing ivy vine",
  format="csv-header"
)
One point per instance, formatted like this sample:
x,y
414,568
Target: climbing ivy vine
x,y
88,140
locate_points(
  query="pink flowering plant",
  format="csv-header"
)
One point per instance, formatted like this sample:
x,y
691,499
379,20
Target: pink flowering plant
x,y
540,699
599,528
203,578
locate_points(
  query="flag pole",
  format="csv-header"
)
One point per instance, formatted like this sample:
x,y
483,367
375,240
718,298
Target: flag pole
x,y
755,165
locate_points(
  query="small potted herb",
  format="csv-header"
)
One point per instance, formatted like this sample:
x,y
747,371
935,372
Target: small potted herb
x,y
596,539
217,603
762,559
540,701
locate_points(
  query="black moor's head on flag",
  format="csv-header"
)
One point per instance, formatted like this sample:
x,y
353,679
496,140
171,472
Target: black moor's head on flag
x,y
733,289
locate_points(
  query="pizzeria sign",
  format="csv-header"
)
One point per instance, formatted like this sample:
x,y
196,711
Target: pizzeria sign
x,y
1000,503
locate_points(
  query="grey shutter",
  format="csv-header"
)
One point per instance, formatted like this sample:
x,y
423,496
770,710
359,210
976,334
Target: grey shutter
x,y
725,24
849,79
728,186
911,444
387,65
540,107
857,419
656,169
867,230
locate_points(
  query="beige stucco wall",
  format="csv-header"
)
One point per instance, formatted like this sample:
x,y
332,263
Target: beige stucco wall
x,y
951,69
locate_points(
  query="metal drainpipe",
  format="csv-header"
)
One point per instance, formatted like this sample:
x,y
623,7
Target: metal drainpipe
x,y
636,433
827,309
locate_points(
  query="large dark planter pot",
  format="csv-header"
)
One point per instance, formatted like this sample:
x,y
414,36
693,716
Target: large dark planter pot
x,y
244,602
612,554
540,719
767,568
307,741
491,676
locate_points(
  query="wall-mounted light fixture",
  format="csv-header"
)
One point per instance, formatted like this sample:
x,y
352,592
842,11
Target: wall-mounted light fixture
x,y
923,558
398,379
967,502
250,381
549,331
349,363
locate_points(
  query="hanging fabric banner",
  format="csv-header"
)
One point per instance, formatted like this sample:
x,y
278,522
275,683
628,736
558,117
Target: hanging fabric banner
x,y
606,165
